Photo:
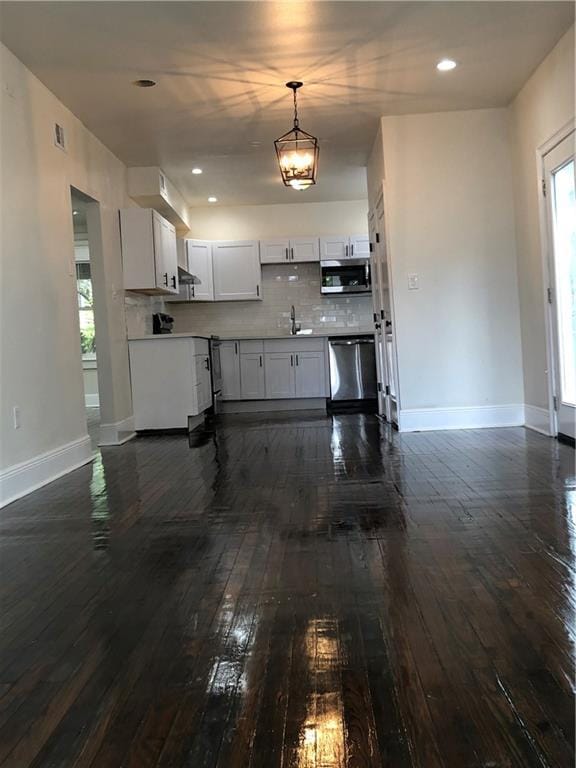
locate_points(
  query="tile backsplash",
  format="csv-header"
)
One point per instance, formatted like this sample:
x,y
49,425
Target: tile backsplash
x,y
282,286
139,310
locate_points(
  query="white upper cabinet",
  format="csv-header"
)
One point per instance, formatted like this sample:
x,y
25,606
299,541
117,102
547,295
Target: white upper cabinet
x,y
359,247
286,250
305,249
200,265
149,252
344,247
334,248
236,267
275,251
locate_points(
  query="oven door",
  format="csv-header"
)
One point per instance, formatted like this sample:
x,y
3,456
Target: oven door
x,y
345,276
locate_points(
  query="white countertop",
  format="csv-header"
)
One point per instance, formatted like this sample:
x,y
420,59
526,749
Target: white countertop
x,y
261,336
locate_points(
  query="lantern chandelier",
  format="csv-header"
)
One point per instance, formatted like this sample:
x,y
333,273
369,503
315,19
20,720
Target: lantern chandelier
x,y
297,152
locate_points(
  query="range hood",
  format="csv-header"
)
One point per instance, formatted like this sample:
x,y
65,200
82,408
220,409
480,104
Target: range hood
x,y
186,278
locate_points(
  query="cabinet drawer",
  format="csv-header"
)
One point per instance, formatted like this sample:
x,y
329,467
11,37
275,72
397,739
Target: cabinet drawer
x,y
298,344
251,347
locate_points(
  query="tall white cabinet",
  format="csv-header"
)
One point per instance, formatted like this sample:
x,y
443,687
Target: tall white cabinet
x,y
149,252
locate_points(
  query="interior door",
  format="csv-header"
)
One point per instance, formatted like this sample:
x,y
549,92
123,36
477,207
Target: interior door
x,y
200,265
378,314
388,336
559,176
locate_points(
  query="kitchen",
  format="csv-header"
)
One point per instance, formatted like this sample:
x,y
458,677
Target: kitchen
x,y
279,323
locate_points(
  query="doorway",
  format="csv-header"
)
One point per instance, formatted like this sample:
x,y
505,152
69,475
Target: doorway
x,y
559,176
86,314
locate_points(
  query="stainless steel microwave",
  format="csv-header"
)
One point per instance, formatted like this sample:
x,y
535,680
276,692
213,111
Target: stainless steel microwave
x,y
345,276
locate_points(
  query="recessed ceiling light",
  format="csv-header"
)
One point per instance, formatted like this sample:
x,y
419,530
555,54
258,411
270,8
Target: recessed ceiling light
x,y
445,65
196,171
212,199
144,83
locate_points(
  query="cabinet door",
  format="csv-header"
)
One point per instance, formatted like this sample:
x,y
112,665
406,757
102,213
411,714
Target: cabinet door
x,y
252,383
200,265
359,246
230,364
165,254
305,249
162,276
280,380
236,270
334,248
310,374
274,251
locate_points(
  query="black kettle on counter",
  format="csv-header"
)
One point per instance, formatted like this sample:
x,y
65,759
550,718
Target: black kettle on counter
x,y
161,323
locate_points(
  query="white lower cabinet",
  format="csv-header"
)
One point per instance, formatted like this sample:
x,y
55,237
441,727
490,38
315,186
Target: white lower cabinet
x,y
252,381
230,365
279,375
310,374
170,380
274,369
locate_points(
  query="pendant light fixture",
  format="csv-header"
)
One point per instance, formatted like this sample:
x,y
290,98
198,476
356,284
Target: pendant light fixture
x,y
297,151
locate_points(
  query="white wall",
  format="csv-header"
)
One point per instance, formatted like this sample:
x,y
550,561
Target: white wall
x,y
450,217
41,370
246,222
544,105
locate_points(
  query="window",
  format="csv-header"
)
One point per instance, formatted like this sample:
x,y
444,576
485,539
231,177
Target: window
x,y
85,308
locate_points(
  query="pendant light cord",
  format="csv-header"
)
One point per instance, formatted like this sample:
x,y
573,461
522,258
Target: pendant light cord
x,y
296,123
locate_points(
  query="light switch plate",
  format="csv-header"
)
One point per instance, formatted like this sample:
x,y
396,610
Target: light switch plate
x,y
413,282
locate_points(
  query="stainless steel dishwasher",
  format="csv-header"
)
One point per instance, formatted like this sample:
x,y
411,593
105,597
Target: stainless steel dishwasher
x,y
352,368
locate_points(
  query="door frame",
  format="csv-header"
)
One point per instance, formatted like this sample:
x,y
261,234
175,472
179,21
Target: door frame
x,y
546,254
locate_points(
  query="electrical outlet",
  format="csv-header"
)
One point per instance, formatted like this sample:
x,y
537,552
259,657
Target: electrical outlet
x,y
16,416
413,282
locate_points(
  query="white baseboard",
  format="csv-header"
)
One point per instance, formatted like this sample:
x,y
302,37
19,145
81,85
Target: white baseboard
x,y
92,401
21,479
118,432
537,419
479,417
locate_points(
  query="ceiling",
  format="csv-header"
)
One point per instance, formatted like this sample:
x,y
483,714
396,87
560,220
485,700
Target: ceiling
x,y
220,68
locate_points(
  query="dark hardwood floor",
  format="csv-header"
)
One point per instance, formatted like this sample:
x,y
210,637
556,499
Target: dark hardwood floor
x,y
302,592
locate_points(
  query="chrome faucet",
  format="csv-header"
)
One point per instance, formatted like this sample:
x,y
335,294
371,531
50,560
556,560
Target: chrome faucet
x,y
294,326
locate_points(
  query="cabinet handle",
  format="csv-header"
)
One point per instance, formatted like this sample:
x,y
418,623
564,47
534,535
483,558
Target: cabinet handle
x,y
292,361
257,290
166,279
352,250
193,291
296,359
207,363
235,347
260,361
174,281
346,251
292,253
286,254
